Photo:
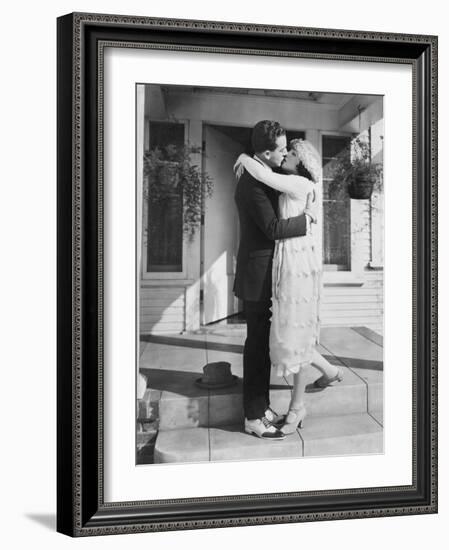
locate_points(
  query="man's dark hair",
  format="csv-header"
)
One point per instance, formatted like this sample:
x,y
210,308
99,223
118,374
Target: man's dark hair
x,y
265,134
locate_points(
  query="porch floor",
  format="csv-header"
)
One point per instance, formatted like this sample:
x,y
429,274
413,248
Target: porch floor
x,y
182,422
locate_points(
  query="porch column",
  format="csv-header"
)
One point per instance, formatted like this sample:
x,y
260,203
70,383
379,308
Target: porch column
x,y
140,131
377,200
192,296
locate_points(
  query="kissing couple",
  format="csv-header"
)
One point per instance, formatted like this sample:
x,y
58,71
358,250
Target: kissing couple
x,y
278,275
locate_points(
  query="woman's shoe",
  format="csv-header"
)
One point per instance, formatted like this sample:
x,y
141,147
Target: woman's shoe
x,y
293,419
324,381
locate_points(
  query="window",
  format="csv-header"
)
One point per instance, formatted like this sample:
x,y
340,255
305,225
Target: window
x,y
165,221
294,134
336,208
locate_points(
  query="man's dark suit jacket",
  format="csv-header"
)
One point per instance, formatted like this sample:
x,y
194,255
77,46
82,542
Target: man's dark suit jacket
x,y
257,206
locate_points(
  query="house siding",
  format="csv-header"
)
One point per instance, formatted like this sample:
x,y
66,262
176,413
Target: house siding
x,y
355,306
162,310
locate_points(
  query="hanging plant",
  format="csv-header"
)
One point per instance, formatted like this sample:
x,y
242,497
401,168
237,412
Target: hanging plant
x,y
355,173
170,173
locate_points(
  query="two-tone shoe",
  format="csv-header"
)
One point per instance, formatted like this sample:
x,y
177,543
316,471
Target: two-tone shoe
x,y
275,418
263,428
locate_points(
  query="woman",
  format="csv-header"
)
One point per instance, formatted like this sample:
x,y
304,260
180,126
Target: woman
x,y
295,322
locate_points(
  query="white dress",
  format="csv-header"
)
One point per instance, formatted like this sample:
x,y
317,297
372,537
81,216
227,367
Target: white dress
x,y
297,274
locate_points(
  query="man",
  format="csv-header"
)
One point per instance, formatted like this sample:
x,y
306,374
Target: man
x,y
257,206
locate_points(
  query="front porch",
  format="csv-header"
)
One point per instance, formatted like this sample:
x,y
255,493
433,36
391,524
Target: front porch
x,y
181,422
187,281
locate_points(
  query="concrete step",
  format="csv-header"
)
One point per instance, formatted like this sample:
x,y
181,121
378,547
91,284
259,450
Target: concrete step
x,y
188,406
349,434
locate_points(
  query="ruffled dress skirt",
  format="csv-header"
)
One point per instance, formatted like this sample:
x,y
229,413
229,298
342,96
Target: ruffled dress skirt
x,y
297,283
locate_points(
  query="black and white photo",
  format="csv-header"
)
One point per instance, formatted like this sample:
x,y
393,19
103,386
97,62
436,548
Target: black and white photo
x,y
261,274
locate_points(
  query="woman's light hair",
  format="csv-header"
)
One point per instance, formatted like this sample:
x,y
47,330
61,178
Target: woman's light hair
x,y
308,156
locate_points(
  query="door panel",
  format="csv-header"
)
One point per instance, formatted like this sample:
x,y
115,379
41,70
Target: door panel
x,y
220,226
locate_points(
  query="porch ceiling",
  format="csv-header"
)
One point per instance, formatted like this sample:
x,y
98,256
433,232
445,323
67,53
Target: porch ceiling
x,y
335,99
244,106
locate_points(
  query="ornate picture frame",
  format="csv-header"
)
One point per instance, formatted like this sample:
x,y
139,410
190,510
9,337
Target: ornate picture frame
x,y
82,509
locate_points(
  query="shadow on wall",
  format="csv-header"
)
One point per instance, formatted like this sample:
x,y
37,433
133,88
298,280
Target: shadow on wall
x,y
46,520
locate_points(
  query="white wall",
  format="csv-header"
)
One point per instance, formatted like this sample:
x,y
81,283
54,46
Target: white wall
x,y
27,229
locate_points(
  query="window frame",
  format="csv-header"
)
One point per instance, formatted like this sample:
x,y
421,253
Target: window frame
x,y
343,277
157,275
334,268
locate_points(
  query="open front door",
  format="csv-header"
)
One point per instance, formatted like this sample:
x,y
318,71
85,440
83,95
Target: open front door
x,y
221,230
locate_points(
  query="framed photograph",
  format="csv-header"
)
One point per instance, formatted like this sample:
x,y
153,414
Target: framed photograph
x,y
247,274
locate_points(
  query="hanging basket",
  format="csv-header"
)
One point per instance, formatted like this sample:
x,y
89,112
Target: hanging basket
x,y
361,186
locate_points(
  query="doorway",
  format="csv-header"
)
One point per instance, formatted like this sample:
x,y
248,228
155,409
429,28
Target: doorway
x,y
220,231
